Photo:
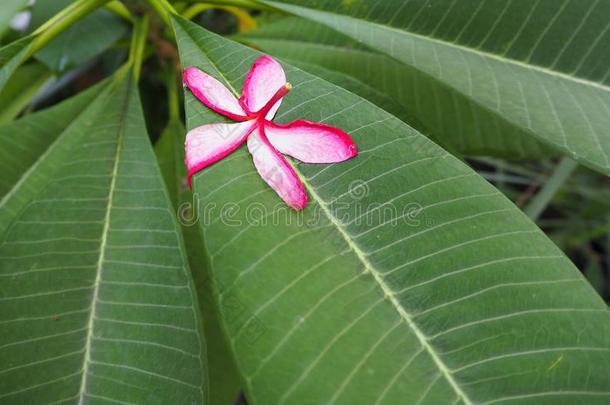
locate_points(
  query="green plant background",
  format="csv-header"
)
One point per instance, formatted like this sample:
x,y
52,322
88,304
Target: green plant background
x,y
482,130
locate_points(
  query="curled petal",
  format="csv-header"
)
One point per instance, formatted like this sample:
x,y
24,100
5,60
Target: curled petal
x,y
311,142
276,171
264,79
209,143
213,94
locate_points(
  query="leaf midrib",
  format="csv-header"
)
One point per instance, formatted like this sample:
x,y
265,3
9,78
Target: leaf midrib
x,y
103,243
421,337
404,314
462,48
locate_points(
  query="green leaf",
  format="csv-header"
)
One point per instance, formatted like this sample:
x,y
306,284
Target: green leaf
x,y
445,294
97,300
469,130
223,377
170,155
11,56
20,90
361,88
540,66
22,143
298,29
8,10
96,33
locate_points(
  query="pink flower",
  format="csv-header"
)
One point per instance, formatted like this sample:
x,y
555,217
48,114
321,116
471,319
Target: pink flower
x,y
264,88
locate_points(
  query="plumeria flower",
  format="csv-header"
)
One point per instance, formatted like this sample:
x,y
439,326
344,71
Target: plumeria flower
x,y
264,88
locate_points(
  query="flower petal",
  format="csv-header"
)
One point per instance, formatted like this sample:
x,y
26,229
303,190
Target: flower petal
x,y
311,142
276,171
265,78
213,94
209,143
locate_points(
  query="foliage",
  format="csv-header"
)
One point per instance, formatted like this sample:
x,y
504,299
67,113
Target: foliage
x,y
459,258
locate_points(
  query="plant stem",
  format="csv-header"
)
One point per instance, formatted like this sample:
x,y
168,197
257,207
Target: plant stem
x,y
119,9
164,9
244,19
196,9
138,45
562,172
61,21
241,3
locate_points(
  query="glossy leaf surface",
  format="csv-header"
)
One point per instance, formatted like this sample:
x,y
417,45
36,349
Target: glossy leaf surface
x,y
447,117
89,37
23,142
97,300
408,278
541,66
224,382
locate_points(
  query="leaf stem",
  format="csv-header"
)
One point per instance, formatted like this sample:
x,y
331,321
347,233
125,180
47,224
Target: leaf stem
x,y
252,4
196,9
119,9
562,172
244,19
164,9
61,21
138,45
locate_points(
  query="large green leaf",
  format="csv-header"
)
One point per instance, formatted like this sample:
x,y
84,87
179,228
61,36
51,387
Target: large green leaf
x,y
290,38
449,118
15,53
87,38
541,66
446,293
97,303
224,383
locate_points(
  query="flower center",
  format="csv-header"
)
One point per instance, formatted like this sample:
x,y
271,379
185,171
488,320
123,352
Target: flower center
x,y
282,91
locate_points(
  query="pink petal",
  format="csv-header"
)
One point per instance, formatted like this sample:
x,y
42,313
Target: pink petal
x,y
276,171
213,94
311,142
209,143
265,78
